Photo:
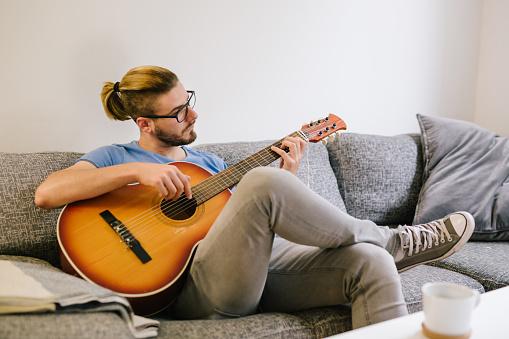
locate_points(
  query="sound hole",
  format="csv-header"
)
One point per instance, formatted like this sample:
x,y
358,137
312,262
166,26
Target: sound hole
x,y
181,209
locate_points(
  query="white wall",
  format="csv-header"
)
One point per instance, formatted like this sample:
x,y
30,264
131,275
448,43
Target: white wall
x,y
492,105
260,68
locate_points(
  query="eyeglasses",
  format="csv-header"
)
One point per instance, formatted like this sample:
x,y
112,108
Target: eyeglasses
x,y
181,115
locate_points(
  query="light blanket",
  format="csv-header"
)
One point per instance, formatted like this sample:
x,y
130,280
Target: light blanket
x,y
32,287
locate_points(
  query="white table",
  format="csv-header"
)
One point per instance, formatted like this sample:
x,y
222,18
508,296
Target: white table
x,y
490,320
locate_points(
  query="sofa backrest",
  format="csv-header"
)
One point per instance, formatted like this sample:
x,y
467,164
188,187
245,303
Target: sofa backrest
x,y
25,229
379,177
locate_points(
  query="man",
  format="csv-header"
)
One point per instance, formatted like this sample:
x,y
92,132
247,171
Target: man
x,y
322,257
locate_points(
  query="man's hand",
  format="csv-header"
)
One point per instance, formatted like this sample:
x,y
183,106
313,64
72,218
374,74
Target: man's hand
x,y
169,181
290,161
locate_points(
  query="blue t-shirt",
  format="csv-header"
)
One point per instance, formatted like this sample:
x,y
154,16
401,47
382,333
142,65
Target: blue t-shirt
x,y
117,154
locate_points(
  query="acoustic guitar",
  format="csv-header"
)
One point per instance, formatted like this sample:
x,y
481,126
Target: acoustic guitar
x,y
139,245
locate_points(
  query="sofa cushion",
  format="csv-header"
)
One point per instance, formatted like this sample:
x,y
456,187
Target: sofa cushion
x,y
316,323
486,262
62,326
379,177
314,170
413,280
25,229
466,168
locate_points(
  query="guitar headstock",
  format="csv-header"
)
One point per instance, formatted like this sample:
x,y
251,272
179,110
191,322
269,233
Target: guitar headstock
x,y
324,128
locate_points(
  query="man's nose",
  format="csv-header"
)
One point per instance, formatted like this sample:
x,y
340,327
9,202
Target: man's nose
x,y
191,114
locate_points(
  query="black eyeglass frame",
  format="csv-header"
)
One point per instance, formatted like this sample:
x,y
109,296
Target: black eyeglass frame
x,y
176,115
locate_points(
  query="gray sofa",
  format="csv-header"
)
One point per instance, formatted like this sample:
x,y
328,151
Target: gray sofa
x,y
371,177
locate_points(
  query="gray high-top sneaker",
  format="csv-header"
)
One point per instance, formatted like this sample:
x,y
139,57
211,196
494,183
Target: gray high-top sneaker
x,y
421,244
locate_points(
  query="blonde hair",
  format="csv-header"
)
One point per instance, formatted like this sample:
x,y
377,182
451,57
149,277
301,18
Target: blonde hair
x,y
135,94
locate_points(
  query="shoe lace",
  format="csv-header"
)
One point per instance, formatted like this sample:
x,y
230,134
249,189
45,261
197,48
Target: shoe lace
x,y
425,236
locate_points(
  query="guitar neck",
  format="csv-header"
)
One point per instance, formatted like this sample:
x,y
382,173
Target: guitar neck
x,y
229,177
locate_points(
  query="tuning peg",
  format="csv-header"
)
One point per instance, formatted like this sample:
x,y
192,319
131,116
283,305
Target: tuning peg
x,y
324,142
331,138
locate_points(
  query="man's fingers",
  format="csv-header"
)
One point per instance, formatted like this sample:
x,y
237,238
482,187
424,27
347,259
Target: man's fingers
x,y
184,185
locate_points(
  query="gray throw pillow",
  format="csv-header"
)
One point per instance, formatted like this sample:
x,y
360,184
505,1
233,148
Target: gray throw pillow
x,y
466,168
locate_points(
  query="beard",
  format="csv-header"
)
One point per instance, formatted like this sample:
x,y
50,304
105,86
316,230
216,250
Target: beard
x,y
169,139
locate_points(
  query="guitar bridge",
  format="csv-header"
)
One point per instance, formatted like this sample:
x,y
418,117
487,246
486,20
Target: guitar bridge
x,y
126,236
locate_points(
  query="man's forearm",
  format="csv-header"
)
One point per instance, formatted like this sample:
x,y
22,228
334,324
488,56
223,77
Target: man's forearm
x,y
71,185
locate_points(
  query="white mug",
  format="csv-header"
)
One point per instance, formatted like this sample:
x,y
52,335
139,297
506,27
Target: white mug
x,y
448,308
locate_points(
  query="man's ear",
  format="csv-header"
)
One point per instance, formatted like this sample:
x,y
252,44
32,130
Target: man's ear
x,y
145,124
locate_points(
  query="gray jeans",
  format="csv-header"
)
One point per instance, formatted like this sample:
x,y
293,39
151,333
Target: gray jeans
x,y
322,257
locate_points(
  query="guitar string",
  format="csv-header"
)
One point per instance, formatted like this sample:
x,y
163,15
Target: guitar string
x,y
208,189
181,205
146,224
184,204
174,208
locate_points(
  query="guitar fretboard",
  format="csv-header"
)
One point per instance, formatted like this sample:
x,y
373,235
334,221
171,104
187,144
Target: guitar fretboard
x,y
229,177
